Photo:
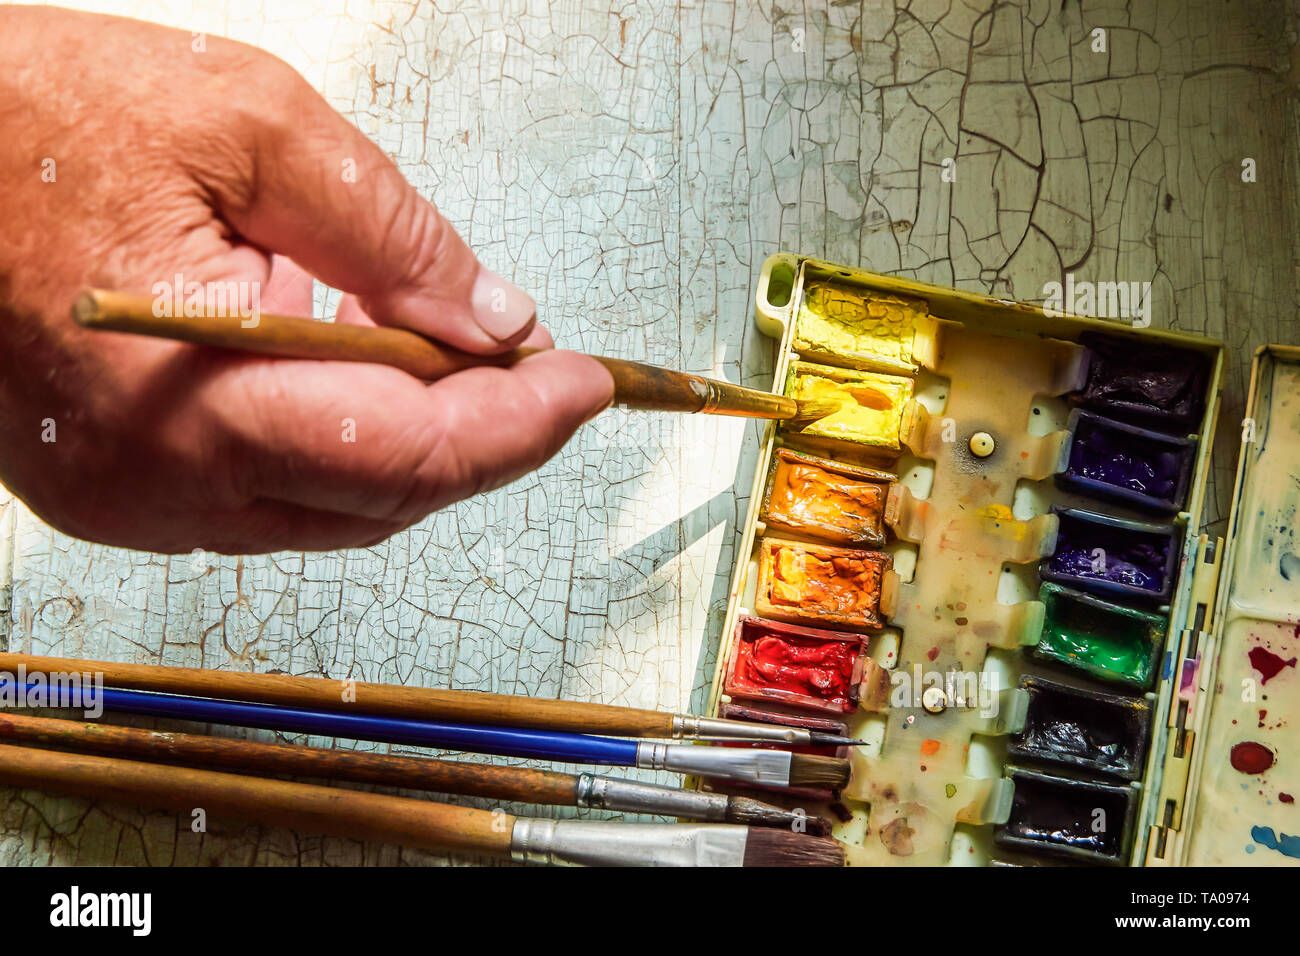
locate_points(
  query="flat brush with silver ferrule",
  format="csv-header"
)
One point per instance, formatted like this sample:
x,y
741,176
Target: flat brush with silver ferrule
x,y
636,385
666,844
773,768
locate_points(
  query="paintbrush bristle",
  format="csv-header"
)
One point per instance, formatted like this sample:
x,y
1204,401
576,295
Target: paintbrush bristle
x,y
813,770
783,848
756,813
810,410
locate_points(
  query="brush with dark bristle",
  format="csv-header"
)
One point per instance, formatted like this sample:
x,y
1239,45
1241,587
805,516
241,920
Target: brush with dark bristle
x,y
782,848
817,738
751,812
823,773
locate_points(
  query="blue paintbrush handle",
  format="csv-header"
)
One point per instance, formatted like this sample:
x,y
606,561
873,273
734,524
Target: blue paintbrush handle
x,y
471,738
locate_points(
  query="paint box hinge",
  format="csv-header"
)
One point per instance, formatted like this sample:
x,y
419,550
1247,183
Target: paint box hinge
x,y
1188,701
1173,793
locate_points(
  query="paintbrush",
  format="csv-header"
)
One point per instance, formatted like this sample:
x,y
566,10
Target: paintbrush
x,y
778,768
405,821
519,784
636,385
468,706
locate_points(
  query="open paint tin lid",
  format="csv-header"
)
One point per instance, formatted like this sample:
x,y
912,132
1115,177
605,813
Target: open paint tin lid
x,y
1236,709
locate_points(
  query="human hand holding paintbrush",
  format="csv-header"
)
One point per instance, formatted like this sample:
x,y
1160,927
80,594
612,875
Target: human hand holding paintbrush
x,y
222,167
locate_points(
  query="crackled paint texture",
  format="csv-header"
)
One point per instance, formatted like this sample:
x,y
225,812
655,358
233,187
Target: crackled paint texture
x,y
632,165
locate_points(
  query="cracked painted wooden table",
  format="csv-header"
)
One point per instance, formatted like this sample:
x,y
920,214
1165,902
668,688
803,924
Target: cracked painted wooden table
x,y
632,165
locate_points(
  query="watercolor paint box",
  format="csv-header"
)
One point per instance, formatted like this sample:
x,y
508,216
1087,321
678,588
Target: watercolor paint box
x,y
969,633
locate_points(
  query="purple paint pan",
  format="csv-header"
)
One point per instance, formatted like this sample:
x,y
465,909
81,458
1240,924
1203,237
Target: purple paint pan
x,y
1164,385
1108,555
1109,459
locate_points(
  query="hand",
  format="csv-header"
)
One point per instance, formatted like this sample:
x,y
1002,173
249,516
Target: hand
x,y
128,160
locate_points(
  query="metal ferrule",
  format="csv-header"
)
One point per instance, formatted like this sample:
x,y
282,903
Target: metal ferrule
x,y
633,796
589,843
724,398
768,767
686,725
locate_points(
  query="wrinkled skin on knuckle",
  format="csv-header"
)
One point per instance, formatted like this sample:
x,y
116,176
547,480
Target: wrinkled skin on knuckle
x,y
123,211
412,225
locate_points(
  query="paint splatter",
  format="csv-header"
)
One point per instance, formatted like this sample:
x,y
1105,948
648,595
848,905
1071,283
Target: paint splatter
x,y
1268,664
897,837
929,746
1286,845
1286,798
950,790
1250,757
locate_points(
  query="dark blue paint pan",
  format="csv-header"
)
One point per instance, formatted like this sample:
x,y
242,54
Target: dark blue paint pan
x,y
1160,384
1110,459
1108,555
1062,816
1087,730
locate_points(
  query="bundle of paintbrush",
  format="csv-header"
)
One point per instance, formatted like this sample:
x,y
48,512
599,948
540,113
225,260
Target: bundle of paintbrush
x,y
384,713
470,721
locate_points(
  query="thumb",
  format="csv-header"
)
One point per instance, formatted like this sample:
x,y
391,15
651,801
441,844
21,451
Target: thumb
x,y
321,193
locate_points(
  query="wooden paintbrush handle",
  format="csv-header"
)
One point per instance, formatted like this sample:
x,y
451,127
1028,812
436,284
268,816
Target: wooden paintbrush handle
x,y
300,806
519,784
636,385
458,706
285,336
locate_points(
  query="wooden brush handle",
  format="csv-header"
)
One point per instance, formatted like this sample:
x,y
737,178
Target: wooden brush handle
x,y
299,806
457,706
636,385
518,784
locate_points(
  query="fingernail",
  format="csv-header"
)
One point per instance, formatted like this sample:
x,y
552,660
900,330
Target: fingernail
x,y
501,309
